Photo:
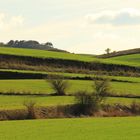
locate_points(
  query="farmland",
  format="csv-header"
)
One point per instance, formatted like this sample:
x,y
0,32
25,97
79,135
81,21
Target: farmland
x,y
121,60
76,129
69,70
74,75
42,86
17,101
25,78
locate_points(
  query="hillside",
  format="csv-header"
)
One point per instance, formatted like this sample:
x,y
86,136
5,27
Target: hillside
x,y
133,59
44,54
128,60
121,53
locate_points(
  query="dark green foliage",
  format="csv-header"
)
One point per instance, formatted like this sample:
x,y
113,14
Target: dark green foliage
x,y
31,44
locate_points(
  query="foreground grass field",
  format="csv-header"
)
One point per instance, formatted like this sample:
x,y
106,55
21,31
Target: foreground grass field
x,y
130,60
126,128
41,86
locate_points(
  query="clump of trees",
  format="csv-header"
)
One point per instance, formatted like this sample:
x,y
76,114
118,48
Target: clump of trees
x,y
32,44
29,44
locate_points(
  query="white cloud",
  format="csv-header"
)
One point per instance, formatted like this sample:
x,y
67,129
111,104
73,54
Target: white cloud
x,y
17,21
10,22
128,16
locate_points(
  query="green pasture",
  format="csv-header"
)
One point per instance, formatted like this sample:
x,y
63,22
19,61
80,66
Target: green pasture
x,y
42,86
133,59
125,128
45,54
16,102
130,60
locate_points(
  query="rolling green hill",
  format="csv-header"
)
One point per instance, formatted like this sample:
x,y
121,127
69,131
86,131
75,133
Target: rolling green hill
x,y
133,59
45,54
130,60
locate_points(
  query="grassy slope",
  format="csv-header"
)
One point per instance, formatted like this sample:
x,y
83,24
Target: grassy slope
x,y
44,54
133,60
126,128
69,56
16,102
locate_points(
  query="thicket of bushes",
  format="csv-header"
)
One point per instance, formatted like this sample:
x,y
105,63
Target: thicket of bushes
x,y
68,111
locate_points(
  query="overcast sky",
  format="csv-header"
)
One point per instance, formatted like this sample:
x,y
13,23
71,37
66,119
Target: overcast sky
x,y
80,26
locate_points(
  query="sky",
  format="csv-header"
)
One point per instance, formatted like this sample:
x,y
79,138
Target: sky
x,y
79,26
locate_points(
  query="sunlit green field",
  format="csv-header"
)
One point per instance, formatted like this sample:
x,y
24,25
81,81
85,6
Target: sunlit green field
x,y
126,128
127,59
45,54
42,86
124,60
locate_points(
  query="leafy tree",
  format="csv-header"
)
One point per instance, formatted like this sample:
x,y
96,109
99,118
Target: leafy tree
x,y
108,50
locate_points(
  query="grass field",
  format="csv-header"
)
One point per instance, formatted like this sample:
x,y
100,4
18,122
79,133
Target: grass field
x,y
45,54
124,60
16,102
126,128
41,86
127,59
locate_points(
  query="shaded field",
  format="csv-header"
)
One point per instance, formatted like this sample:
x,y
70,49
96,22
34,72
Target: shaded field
x,y
22,74
42,86
75,129
16,102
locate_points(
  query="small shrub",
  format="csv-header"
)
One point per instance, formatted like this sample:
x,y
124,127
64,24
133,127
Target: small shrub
x,y
135,107
101,89
30,105
86,103
59,86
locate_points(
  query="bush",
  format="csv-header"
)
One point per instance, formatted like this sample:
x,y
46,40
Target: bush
x,y
135,108
59,85
30,105
101,89
85,103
